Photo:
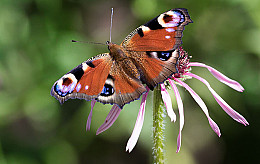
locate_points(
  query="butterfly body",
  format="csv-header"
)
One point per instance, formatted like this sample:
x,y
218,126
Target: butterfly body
x,y
147,56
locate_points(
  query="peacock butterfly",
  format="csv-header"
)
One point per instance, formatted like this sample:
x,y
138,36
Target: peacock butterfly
x,y
148,55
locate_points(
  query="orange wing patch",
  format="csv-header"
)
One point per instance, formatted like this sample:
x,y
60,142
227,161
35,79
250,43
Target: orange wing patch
x,y
155,40
93,79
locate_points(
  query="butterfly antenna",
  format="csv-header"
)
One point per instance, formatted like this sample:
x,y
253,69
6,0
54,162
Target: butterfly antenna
x,y
87,42
111,19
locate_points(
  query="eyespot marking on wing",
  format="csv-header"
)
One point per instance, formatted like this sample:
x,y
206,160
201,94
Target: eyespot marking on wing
x,y
66,84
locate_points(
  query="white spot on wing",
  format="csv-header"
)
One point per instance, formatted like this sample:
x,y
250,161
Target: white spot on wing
x,y
73,85
86,87
145,28
84,66
170,29
153,54
167,37
110,82
78,87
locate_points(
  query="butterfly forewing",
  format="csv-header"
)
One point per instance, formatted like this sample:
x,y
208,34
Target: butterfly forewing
x,y
162,33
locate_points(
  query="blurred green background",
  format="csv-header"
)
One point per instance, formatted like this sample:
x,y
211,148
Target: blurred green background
x,y
36,50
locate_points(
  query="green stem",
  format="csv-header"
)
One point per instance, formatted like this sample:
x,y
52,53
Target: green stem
x,y
158,126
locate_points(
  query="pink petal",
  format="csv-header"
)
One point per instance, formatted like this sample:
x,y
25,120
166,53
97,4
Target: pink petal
x,y
222,78
138,124
232,113
181,113
110,119
168,103
90,115
204,108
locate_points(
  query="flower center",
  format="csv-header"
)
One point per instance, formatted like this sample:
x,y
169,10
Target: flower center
x,y
182,64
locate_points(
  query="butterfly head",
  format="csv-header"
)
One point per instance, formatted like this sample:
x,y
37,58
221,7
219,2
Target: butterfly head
x,y
116,51
109,44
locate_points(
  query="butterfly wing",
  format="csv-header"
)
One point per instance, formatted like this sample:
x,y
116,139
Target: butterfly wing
x,y
86,81
122,86
156,66
162,33
98,78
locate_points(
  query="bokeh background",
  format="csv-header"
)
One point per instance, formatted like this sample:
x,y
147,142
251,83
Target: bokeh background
x,y
36,50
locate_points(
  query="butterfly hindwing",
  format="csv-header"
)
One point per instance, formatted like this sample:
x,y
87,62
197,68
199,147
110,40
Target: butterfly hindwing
x,y
156,66
123,84
162,33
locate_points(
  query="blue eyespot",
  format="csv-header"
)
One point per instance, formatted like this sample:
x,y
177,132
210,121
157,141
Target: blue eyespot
x,y
107,90
180,15
63,90
164,55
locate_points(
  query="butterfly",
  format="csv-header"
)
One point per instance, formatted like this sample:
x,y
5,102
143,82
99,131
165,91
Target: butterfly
x,y
147,56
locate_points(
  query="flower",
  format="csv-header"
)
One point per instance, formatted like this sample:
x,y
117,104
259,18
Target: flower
x,y
184,73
